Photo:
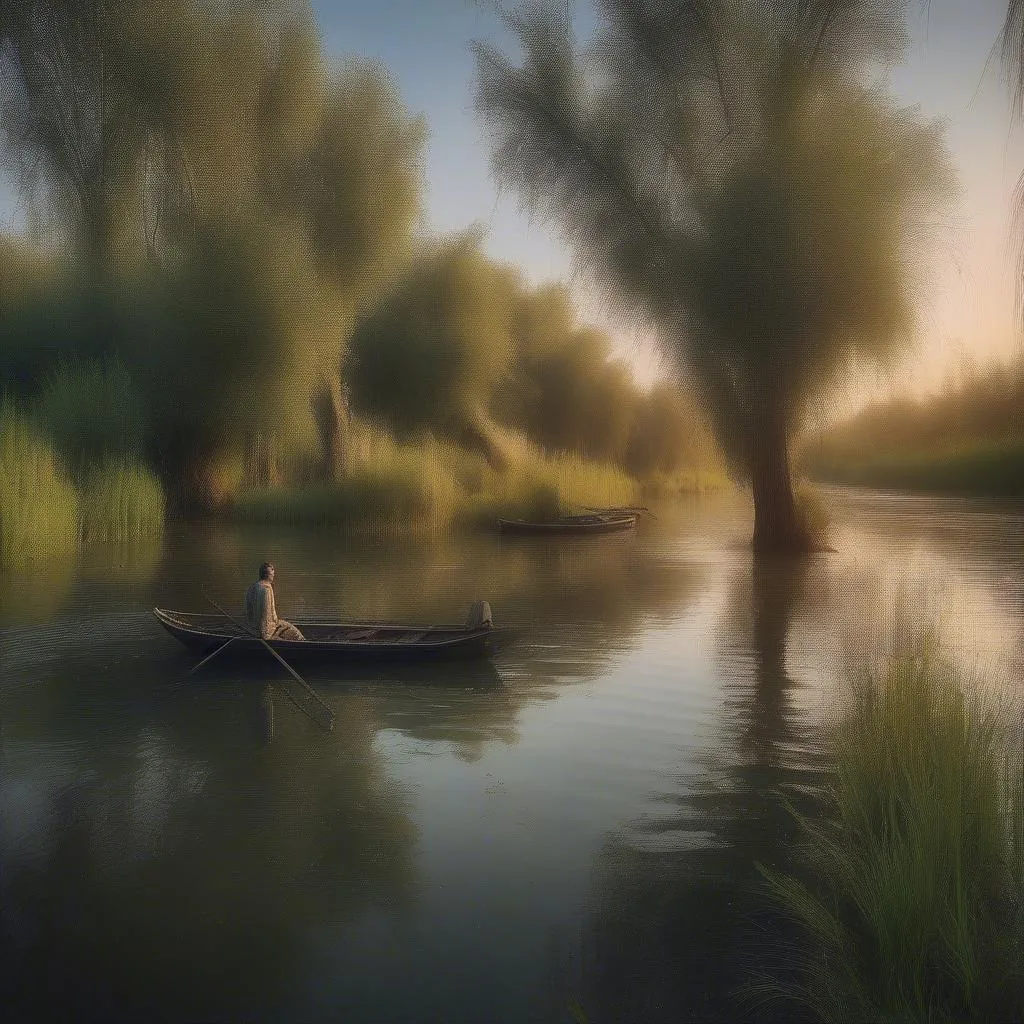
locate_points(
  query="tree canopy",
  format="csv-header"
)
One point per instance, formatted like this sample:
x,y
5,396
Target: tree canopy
x,y
726,170
250,194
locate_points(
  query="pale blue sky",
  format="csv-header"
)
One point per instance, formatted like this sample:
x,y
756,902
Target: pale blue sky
x,y
425,44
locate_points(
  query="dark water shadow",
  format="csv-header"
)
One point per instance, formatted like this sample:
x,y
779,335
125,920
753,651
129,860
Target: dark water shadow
x,y
173,866
681,924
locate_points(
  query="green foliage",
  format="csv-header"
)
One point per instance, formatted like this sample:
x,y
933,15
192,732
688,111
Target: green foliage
x,y
429,355
55,315
721,169
38,504
121,501
211,160
967,437
667,435
992,470
91,411
396,487
390,487
912,906
542,482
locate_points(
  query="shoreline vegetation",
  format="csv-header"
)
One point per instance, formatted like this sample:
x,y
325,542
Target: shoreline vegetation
x,y
909,889
993,469
54,500
968,438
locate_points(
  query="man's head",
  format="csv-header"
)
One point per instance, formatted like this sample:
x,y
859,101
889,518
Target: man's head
x,y
267,572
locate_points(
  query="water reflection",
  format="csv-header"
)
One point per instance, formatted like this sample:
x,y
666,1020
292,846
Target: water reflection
x,y
680,925
181,854
578,606
36,596
160,865
210,853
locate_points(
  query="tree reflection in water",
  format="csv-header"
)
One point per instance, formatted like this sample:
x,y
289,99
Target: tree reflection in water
x,y
681,925
182,873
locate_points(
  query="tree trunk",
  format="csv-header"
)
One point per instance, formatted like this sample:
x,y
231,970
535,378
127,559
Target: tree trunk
x,y
777,525
333,417
475,435
260,469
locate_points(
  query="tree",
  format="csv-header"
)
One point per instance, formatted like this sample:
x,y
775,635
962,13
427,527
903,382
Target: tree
x,y
666,434
724,169
429,355
86,87
178,144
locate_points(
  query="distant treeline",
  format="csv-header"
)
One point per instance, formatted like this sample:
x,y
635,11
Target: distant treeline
x,y
968,437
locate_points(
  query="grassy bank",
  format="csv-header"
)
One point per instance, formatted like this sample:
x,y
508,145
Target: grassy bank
x,y
910,894
993,469
432,486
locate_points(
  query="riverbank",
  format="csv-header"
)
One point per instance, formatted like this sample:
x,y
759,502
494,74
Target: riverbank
x,y
48,510
991,469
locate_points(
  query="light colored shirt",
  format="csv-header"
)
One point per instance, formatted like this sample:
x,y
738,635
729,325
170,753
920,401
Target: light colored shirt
x,y
260,611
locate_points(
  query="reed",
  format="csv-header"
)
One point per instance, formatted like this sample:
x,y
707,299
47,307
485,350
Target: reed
x,y
121,501
694,480
390,487
430,485
541,484
38,504
910,894
91,411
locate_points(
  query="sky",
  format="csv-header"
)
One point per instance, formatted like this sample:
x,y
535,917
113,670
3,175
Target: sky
x,y
950,69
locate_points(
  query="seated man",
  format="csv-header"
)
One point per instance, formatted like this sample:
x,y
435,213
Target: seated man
x,y
261,613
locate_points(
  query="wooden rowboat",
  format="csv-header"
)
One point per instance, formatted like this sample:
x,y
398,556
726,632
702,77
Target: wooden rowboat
x,y
571,525
338,641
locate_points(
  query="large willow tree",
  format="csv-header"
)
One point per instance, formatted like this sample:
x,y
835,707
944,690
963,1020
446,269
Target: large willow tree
x,y
723,168
210,156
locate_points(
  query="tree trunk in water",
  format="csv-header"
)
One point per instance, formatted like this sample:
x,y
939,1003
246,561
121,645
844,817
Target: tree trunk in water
x,y
777,525
332,416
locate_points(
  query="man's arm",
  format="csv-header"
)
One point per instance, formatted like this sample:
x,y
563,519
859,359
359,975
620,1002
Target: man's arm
x,y
268,621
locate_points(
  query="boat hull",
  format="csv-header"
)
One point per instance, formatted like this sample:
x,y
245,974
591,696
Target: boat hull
x,y
571,526
381,642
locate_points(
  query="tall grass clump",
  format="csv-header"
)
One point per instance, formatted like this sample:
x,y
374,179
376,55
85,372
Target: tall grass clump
x,y
121,500
389,487
911,901
92,411
38,504
541,485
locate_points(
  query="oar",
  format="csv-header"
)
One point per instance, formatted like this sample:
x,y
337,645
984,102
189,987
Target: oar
x,y
622,508
209,657
295,675
179,683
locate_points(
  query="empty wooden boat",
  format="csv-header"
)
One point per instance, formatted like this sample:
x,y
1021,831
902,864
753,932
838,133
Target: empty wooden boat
x,y
571,525
339,641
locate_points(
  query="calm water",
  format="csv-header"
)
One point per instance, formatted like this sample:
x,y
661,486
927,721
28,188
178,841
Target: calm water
x,y
570,831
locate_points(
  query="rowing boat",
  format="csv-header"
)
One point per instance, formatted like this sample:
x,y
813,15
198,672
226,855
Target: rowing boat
x,y
571,525
340,641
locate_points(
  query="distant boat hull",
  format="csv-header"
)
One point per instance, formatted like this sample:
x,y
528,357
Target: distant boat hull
x,y
337,641
570,525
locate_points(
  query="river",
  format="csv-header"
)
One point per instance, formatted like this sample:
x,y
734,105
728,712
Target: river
x,y
568,833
